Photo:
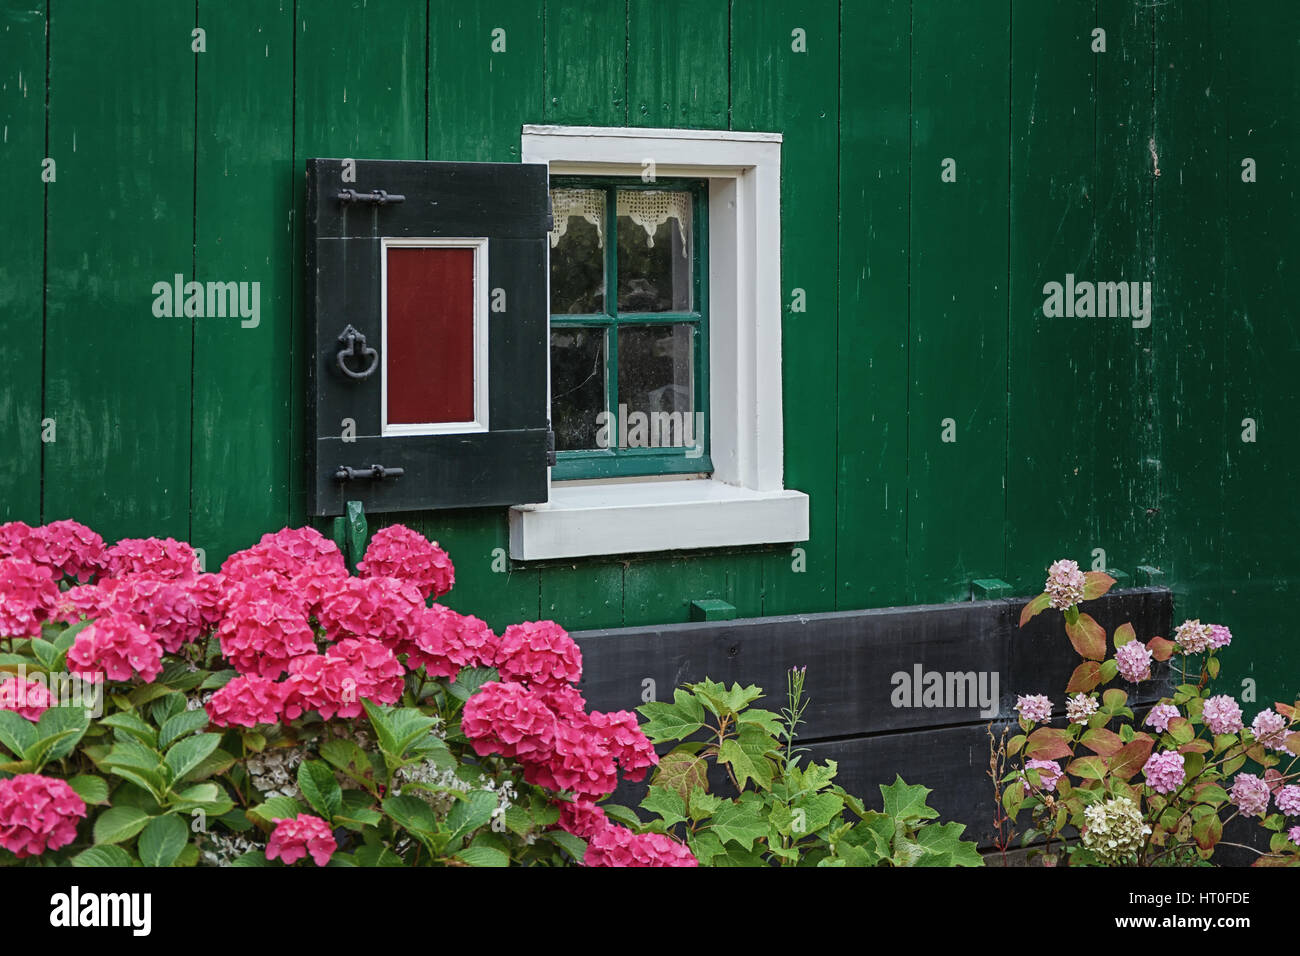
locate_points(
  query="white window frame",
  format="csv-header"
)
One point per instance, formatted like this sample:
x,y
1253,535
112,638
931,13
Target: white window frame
x,y
744,501
480,421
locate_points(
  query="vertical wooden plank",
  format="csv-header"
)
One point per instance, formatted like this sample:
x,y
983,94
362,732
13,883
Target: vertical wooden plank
x,y
874,182
485,78
785,78
677,61
586,63
1125,460
243,208
583,596
355,100
1261,343
1056,433
1189,148
120,219
22,256
659,590
958,375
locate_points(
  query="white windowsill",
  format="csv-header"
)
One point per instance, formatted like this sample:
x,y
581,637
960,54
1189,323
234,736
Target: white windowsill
x,y
584,519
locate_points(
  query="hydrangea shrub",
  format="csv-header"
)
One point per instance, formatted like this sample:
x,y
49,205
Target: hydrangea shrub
x,y
1155,791
285,712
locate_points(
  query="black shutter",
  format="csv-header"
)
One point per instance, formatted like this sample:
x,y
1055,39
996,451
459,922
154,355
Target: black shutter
x,y
505,203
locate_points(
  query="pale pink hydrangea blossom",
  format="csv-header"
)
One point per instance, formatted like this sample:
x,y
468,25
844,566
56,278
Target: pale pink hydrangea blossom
x,y
1065,584
1034,708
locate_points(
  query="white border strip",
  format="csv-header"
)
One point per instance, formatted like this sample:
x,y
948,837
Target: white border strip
x,y
480,422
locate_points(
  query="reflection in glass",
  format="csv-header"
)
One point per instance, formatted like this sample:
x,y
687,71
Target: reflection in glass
x,y
654,251
577,386
656,389
577,252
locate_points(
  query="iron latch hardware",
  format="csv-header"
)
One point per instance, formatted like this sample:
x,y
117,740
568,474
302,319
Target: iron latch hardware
x,y
354,345
379,197
377,472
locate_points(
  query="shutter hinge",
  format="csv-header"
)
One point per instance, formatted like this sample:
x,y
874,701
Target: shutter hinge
x,y
550,445
379,197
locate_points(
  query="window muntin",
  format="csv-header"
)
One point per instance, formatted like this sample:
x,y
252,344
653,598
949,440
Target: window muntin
x,y
629,371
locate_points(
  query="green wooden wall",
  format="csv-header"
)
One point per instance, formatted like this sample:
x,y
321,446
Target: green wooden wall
x,y
924,296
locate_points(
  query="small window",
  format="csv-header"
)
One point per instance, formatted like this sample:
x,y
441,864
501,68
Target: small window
x,y
629,327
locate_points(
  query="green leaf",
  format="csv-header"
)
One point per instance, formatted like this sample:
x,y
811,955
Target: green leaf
x,y
766,720
162,841
943,845
472,811
186,722
90,788
570,844
377,855
1089,768
275,808
1034,608
131,724
16,733
119,823
1088,637
907,803
668,722
740,822
1207,831
218,679
320,789
682,772
743,765
668,804
482,856
469,680
45,652
397,728
187,754
1095,584
703,804
251,858
102,856
411,814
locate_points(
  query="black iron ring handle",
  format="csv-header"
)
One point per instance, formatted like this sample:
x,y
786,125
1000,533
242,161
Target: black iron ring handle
x,y
354,344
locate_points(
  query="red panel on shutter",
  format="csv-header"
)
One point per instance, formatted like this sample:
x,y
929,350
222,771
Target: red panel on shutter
x,y
430,335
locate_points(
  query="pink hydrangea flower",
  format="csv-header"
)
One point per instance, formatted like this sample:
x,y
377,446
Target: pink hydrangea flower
x,y
1065,584
28,597
1270,729
1220,636
1134,662
503,717
399,552
246,701
263,587
164,607
81,601
160,557
26,698
1160,715
67,548
1249,794
315,581
618,846
1034,708
1294,835
296,837
262,637
285,552
336,683
1288,800
565,700
206,591
383,609
1193,637
579,762
582,818
1079,708
538,652
443,641
13,539
1049,772
38,814
1164,771
118,648
622,736
1222,715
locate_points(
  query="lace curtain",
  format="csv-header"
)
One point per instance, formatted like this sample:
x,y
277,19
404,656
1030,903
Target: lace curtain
x,y
649,209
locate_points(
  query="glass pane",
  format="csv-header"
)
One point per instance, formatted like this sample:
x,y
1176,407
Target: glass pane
x,y
656,387
654,251
578,252
577,386
430,354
